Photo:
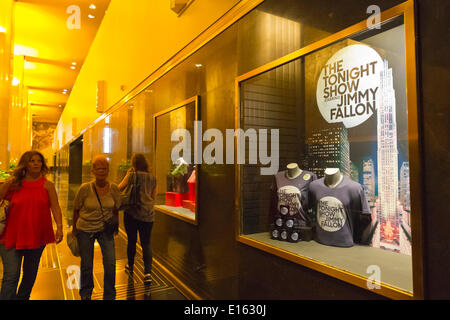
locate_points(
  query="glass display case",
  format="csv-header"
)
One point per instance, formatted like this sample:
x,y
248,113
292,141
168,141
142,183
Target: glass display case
x,y
176,174
340,201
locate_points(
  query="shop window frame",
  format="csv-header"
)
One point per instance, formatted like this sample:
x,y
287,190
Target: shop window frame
x,y
196,101
406,10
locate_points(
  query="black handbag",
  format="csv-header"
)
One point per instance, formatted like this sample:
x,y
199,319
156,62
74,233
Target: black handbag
x,y
111,225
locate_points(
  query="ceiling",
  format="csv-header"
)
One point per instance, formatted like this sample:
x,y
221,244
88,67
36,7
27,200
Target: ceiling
x,y
55,37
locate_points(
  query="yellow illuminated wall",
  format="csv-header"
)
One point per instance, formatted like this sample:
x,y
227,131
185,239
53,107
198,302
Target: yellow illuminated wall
x,y
20,119
6,10
132,42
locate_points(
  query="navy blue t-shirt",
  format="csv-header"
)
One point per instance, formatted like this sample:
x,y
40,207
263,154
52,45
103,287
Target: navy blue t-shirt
x,y
299,186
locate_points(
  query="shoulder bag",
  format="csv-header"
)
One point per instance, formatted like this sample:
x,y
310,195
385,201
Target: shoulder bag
x,y
111,225
130,196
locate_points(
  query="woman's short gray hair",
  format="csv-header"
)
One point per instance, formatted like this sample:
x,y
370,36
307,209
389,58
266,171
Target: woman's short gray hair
x,y
100,159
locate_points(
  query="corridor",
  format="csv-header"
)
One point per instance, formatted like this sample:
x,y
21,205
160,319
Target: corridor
x,y
59,270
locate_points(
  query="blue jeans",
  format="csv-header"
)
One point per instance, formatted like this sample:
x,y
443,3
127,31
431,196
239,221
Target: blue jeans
x,y
12,261
86,242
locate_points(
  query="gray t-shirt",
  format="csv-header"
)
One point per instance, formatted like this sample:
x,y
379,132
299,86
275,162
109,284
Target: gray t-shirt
x,y
91,218
337,210
146,183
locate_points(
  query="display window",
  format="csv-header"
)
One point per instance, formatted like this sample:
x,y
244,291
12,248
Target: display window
x,y
175,171
342,199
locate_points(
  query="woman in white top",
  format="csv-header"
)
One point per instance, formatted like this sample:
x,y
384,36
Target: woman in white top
x,y
139,218
95,203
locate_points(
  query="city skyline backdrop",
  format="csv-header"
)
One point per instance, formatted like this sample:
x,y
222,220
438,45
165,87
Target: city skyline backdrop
x,y
375,154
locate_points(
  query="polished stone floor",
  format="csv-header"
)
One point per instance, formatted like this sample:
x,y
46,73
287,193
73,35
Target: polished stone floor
x,y
59,270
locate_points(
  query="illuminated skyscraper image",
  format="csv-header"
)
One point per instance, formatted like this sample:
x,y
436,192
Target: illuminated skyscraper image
x,y
368,175
404,186
388,163
328,148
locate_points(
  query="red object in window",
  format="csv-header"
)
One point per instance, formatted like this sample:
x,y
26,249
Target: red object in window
x,y
175,199
188,204
191,183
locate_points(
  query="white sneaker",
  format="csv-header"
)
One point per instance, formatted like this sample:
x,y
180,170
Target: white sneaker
x,y
147,278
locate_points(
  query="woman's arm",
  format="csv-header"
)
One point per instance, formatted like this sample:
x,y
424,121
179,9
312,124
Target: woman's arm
x,y
124,181
150,187
77,205
76,215
56,210
115,193
155,189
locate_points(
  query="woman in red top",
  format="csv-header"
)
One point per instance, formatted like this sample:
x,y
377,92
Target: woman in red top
x,y
29,226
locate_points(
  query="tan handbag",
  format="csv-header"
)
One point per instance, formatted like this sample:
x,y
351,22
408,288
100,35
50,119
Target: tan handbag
x,y
4,210
72,243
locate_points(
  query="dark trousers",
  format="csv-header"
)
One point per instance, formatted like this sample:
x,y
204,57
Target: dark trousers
x,y
86,242
132,227
12,261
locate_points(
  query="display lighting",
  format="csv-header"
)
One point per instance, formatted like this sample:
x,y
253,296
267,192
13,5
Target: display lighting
x,y
15,81
20,50
106,140
90,16
2,29
92,6
198,65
